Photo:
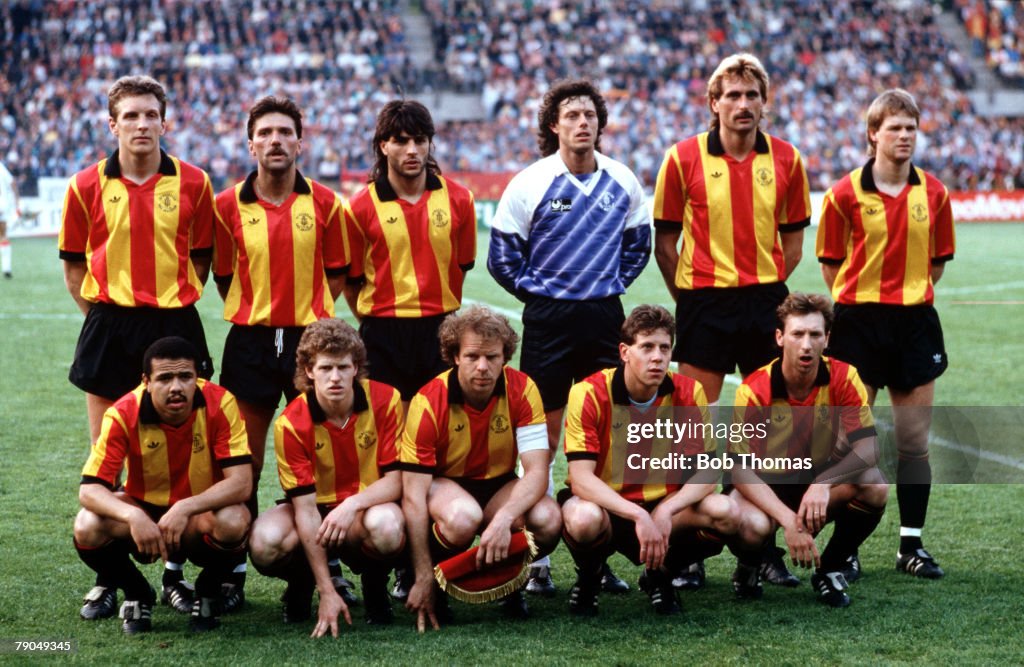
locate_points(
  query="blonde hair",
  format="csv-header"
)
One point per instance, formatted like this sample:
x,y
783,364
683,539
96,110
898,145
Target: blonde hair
x,y
744,66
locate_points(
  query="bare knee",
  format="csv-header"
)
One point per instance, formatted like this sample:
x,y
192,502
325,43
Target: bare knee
x,y
755,527
231,524
723,511
271,540
460,520
873,495
88,529
385,528
583,520
545,522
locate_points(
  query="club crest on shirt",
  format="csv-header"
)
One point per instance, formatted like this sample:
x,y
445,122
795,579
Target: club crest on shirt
x,y
499,424
561,205
366,439
197,444
303,222
606,202
439,218
764,177
167,202
919,212
823,414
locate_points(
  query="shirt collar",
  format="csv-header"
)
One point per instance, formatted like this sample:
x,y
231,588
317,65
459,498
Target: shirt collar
x,y
247,195
620,396
113,166
387,193
558,166
317,414
779,382
149,415
455,395
867,178
716,148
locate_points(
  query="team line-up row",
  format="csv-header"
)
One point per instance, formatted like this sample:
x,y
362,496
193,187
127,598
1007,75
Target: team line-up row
x,y
141,232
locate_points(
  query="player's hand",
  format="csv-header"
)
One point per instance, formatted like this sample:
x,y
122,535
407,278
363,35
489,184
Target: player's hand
x,y
494,543
335,525
421,603
813,511
147,536
802,549
331,605
172,526
653,544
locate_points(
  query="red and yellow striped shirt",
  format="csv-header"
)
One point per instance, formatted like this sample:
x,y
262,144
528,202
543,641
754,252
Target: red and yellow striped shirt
x,y
838,404
137,239
731,213
885,246
599,418
277,258
335,462
166,463
411,258
447,437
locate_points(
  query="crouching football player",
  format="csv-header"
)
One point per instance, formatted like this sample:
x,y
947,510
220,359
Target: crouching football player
x,y
188,473
664,521
816,411
337,463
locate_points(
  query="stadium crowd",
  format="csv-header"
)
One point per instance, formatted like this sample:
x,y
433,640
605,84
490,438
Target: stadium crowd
x,y
996,29
342,60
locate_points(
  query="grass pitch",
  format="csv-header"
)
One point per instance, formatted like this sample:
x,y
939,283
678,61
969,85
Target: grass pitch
x,y
972,616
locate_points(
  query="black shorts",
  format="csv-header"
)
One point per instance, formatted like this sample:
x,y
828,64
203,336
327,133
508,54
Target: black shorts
x,y
890,346
403,352
114,339
721,328
255,368
565,341
483,490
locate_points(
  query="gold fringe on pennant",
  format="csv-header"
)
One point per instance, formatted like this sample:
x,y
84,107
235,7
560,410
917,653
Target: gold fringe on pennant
x,y
491,594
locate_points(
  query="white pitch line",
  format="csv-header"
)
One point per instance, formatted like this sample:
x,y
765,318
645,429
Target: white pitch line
x,y
997,287
1002,459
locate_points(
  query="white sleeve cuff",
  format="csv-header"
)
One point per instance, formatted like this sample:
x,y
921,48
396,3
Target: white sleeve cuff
x,y
532,438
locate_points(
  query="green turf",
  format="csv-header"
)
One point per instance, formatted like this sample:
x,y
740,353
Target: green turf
x,y
973,616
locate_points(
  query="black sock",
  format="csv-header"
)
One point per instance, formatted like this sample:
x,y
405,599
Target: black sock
x,y
691,546
217,561
112,563
440,547
590,558
172,576
913,488
854,523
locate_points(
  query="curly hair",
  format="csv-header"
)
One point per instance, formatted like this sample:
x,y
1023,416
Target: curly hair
x,y
799,303
890,103
398,117
646,319
560,91
271,104
327,336
483,322
134,86
741,66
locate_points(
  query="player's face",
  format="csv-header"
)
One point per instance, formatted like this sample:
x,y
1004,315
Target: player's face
x,y
577,125
479,364
646,360
138,126
333,377
803,341
275,143
896,138
172,385
740,106
407,156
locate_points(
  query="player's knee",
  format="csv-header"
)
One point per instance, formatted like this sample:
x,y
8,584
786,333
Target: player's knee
x,y
385,527
88,529
723,511
231,524
755,527
460,520
582,520
874,495
267,541
545,522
